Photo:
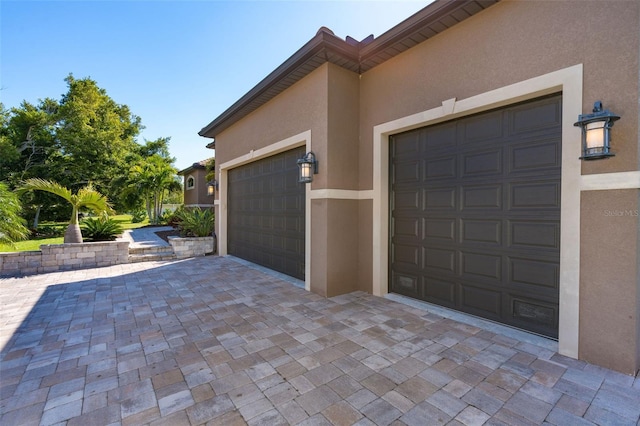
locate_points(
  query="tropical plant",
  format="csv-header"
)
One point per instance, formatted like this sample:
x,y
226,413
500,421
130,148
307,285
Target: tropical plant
x,y
138,216
86,197
101,228
153,177
12,226
196,222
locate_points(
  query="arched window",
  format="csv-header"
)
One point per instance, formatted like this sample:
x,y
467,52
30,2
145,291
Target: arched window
x,y
191,182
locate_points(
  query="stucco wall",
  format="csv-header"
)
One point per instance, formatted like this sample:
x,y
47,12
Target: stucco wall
x,y
609,324
302,107
198,194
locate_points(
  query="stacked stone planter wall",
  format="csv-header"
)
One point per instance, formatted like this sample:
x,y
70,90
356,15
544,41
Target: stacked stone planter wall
x,y
64,257
192,246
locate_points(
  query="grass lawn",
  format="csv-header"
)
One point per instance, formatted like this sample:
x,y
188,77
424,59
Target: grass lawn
x,y
29,245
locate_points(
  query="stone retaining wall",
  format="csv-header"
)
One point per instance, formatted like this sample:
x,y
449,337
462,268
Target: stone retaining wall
x,y
191,246
64,257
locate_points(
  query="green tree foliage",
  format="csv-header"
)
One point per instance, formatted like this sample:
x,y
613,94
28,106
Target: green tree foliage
x,y
93,130
85,137
12,226
210,167
153,178
86,197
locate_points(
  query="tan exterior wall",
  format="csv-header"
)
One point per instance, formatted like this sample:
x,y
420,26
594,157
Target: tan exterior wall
x,y
198,194
609,290
300,108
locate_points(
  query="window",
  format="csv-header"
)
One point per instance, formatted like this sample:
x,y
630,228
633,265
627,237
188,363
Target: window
x,y
191,182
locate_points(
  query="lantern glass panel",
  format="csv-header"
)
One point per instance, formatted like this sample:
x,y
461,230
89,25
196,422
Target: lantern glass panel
x,y
595,134
305,171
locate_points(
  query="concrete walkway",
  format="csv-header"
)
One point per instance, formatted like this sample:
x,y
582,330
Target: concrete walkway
x,y
145,237
212,341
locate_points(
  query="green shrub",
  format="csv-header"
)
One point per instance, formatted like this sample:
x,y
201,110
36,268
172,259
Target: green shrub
x,y
172,218
47,231
138,216
196,222
101,229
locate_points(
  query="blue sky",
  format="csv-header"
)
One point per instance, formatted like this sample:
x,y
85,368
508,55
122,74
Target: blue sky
x,y
176,64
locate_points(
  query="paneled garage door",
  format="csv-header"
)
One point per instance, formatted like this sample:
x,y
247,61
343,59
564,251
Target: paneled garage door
x,y
266,217
475,214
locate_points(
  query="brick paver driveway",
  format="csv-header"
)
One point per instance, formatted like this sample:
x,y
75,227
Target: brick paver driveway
x,y
212,341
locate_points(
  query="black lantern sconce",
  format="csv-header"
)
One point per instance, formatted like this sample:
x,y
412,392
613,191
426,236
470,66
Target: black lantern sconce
x,y
212,185
308,166
596,132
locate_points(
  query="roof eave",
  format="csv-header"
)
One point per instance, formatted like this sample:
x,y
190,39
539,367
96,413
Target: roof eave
x,y
322,41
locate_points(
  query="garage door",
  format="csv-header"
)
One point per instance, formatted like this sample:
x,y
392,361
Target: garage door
x,y
475,214
266,217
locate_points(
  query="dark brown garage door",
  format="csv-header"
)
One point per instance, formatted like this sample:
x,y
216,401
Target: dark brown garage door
x,y
266,217
475,214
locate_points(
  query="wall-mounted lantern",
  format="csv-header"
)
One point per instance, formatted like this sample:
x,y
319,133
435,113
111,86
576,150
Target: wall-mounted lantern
x,y
596,132
212,185
308,166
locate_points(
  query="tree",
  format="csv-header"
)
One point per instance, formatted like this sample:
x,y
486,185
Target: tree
x,y
12,226
153,178
95,135
85,197
210,167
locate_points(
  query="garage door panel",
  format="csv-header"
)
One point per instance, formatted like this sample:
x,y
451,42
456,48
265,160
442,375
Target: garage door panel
x,y
535,156
534,272
408,171
407,254
440,199
442,259
482,128
266,213
534,234
440,291
481,301
485,217
535,117
440,229
535,314
440,137
482,197
445,167
537,195
405,284
407,227
481,231
482,163
481,265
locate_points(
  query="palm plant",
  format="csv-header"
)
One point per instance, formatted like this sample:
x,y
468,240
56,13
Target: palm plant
x,y
12,226
85,197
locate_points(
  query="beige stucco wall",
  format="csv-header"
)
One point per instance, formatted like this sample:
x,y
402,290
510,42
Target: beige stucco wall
x,y
609,293
197,195
300,108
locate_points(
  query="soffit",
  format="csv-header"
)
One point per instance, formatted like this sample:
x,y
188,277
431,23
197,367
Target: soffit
x,y
350,54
